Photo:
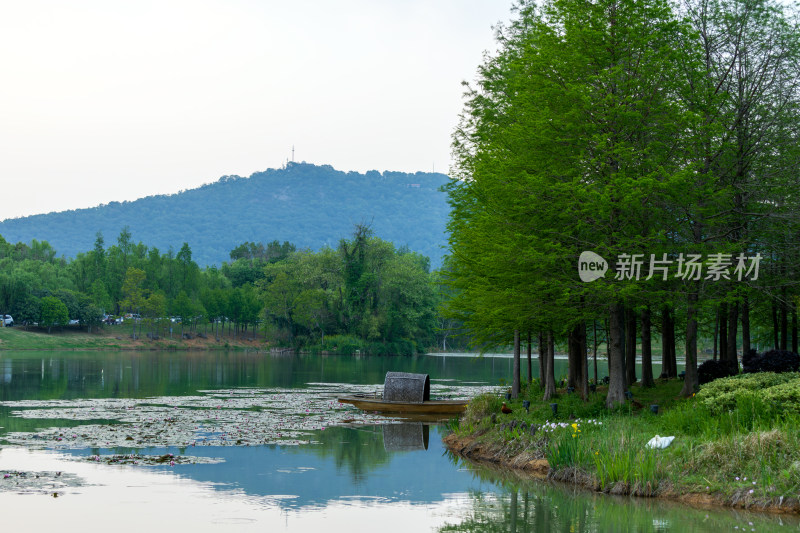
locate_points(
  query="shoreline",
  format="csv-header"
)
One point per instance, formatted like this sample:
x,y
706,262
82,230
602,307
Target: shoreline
x,y
473,449
26,340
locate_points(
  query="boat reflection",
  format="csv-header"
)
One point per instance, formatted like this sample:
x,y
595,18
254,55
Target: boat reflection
x,y
405,437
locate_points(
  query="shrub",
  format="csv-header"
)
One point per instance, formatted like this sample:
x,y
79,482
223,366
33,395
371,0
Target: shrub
x,y
777,361
482,406
723,394
785,397
710,370
744,381
749,359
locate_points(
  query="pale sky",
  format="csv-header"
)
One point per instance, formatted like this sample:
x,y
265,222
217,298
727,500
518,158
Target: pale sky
x,y
108,100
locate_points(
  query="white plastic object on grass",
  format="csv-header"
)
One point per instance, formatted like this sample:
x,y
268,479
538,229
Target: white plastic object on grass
x,y
659,442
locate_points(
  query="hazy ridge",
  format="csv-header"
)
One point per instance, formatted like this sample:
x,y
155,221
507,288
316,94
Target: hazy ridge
x,y
308,205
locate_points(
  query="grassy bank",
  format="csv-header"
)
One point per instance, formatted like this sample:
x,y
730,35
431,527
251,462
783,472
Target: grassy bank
x,y
736,442
116,337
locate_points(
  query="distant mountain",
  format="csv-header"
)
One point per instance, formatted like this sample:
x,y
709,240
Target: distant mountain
x,y
308,205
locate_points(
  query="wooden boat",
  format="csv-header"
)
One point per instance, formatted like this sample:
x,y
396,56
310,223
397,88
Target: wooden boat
x,y
406,393
435,407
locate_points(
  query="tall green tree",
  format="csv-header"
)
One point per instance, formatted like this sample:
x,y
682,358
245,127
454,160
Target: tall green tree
x,y
565,145
53,313
133,292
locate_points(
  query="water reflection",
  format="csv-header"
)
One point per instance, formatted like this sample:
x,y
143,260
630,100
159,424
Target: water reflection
x,y
359,477
405,437
344,463
356,467
69,375
519,505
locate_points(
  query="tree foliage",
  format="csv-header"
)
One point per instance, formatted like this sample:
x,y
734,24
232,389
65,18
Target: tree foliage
x,y
295,298
623,128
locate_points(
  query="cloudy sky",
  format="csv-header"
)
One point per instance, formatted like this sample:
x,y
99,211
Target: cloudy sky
x,y
109,100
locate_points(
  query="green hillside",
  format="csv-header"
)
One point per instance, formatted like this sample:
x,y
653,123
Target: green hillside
x,y
308,205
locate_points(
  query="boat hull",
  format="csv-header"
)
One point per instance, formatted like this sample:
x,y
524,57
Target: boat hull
x,y
385,406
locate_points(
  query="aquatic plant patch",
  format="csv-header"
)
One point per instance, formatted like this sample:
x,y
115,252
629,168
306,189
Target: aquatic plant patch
x,y
52,483
231,417
166,459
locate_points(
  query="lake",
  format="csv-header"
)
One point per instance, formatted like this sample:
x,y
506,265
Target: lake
x,y
150,441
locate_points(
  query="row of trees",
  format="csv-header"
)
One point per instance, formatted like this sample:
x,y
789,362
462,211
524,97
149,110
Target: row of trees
x,y
666,129
365,289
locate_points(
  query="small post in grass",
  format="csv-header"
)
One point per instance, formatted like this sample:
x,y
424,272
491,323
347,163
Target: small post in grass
x,y
554,407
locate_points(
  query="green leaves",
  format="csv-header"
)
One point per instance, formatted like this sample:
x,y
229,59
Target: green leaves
x,y
53,313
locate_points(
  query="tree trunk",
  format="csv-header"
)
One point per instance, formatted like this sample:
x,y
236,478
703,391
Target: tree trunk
x,y
530,368
630,347
733,320
716,335
584,373
616,368
578,373
723,331
542,359
690,381
594,340
784,321
775,326
573,358
669,364
673,356
647,353
665,342
515,386
745,325
622,341
550,377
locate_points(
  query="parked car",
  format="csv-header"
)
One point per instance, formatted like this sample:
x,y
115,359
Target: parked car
x,y
8,321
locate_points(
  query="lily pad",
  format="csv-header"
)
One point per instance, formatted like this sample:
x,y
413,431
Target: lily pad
x,y
52,483
230,417
166,459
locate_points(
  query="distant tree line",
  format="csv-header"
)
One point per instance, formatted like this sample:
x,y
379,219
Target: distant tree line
x,y
364,296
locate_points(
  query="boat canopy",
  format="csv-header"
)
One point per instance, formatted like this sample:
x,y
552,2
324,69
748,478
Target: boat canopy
x,y
406,387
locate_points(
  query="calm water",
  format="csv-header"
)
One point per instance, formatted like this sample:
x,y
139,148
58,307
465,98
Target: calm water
x,y
339,471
